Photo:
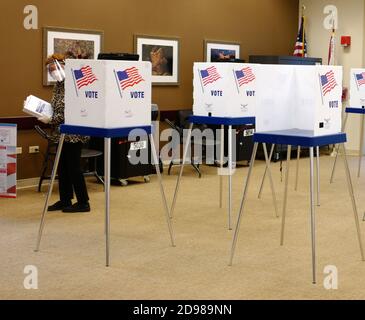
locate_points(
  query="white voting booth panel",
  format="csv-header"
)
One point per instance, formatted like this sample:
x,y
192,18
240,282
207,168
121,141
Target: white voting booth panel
x,y
357,88
224,89
107,94
299,97
274,97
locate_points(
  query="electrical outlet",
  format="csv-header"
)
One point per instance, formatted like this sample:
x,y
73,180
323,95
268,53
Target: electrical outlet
x,y
34,149
19,150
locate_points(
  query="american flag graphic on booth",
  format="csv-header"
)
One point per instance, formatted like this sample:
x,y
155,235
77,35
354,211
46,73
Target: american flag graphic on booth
x,y
328,82
244,76
129,77
360,78
209,75
84,77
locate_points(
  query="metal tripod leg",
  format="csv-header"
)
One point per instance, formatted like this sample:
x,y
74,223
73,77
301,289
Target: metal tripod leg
x,y
235,237
297,171
107,150
361,144
312,208
318,178
264,176
285,195
229,177
155,159
271,180
338,148
221,167
354,208
187,143
50,188
334,164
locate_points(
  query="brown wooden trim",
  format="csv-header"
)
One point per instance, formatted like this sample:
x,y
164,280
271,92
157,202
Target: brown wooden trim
x,y
28,123
169,114
23,123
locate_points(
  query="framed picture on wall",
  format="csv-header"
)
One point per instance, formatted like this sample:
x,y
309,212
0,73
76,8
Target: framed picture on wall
x,y
74,43
221,50
163,52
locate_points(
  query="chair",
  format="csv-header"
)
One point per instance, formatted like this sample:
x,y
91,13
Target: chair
x,y
89,154
181,123
51,152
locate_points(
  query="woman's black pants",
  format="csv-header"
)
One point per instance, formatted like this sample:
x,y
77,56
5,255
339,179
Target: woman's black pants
x,y
70,176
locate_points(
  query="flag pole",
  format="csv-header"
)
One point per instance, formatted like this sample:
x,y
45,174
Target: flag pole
x,y
320,86
235,78
73,77
201,81
118,84
303,40
331,54
333,41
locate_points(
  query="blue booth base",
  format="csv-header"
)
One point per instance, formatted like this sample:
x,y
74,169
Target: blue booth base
x,y
222,120
355,110
296,137
102,132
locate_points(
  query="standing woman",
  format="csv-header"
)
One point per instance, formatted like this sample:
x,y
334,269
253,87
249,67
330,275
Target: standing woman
x,y
70,176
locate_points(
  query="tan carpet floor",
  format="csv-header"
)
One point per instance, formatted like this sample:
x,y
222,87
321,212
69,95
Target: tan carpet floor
x,y
145,266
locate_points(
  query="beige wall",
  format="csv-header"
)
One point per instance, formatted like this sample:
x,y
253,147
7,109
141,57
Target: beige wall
x,y
350,22
262,27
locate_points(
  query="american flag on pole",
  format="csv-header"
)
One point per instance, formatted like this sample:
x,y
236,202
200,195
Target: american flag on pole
x,y
84,77
209,75
328,82
129,77
244,76
360,78
300,49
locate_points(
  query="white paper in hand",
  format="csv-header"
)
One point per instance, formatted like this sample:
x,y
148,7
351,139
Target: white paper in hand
x,y
38,107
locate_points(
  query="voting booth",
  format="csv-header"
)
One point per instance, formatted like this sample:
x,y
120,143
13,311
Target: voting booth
x,y
224,89
299,106
299,97
357,107
224,95
107,99
357,88
107,94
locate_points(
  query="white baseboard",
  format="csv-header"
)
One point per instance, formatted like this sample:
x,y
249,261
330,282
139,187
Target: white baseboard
x,y
166,163
33,182
352,153
28,183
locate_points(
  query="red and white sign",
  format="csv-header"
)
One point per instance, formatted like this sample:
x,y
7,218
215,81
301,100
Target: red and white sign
x,y
7,160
